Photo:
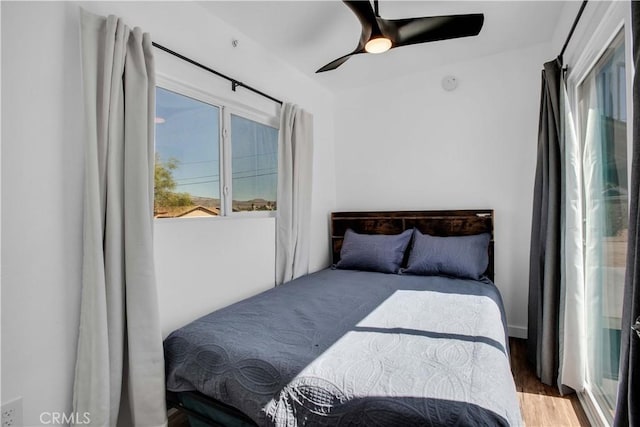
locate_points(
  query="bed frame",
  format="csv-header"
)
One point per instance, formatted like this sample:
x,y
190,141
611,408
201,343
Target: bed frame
x,y
199,416
435,223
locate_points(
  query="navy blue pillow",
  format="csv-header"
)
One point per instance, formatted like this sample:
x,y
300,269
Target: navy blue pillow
x,y
459,256
373,252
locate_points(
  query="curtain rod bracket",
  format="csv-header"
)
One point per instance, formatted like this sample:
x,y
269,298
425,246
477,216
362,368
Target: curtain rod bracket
x,y
235,84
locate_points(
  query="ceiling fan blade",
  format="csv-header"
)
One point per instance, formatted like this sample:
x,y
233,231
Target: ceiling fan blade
x,y
338,62
432,28
363,11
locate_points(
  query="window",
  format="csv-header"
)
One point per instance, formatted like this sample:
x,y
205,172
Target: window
x,y
212,159
187,170
603,121
254,165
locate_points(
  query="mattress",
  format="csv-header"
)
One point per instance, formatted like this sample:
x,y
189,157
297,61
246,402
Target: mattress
x,y
342,347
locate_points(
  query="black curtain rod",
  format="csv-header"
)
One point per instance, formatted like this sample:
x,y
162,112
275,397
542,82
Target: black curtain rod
x,y
573,28
234,83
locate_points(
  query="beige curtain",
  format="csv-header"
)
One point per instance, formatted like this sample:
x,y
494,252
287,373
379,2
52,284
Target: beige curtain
x,y
120,367
293,222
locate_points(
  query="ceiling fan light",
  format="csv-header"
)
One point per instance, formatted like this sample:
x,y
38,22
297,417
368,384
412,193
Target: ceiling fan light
x,y
378,45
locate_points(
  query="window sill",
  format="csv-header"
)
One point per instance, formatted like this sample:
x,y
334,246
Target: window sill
x,y
232,217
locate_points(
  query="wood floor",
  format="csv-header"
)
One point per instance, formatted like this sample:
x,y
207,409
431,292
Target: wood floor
x,y
541,405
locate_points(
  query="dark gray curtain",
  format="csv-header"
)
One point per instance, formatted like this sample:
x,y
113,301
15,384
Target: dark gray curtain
x,y
628,406
544,268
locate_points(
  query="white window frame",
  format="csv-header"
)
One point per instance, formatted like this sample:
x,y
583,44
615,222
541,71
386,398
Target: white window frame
x,y
225,109
612,17
258,118
600,27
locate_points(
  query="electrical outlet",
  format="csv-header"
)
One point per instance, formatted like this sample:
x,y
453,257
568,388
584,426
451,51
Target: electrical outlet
x,y
12,413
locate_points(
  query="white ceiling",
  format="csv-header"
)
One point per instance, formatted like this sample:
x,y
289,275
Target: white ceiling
x,y
309,34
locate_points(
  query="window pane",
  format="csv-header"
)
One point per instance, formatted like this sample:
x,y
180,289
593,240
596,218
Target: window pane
x,y
187,172
254,167
603,113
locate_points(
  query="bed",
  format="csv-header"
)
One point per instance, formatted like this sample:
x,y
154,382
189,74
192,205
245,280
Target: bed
x,y
349,347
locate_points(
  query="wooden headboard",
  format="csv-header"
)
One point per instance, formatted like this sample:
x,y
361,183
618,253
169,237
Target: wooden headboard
x,y
435,223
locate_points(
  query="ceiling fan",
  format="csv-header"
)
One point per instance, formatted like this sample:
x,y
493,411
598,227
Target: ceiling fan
x,y
379,34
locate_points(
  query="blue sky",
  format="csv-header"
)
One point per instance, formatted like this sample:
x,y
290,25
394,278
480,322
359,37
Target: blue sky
x,y
189,132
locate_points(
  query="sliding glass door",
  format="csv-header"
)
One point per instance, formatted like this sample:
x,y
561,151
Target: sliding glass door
x,y
603,121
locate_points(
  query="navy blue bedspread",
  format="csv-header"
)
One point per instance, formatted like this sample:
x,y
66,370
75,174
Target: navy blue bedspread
x,y
344,347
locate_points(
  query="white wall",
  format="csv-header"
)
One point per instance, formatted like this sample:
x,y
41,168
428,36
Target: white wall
x,y
202,264
41,204
408,144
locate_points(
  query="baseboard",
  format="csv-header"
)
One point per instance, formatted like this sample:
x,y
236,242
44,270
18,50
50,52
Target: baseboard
x,y
517,331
